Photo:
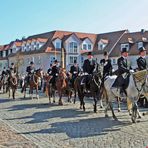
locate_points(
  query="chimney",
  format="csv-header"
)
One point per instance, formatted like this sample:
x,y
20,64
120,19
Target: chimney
x,y
142,31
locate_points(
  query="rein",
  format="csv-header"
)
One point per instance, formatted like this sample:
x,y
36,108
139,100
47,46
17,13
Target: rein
x,y
36,83
142,86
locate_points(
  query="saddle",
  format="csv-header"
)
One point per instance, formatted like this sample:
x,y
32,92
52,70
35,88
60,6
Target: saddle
x,y
122,82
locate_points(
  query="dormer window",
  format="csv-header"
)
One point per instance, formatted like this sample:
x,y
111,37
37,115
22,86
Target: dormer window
x,y
38,45
140,44
89,47
102,44
84,47
58,45
125,46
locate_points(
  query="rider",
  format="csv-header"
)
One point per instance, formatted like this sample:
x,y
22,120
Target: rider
x,y
30,70
142,65
141,61
54,72
107,66
49,71
124,69
88,68
74,70
4,73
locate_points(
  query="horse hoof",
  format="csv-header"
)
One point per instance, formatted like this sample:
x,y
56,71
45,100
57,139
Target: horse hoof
x,y
115,118
106,116
60,103
119,110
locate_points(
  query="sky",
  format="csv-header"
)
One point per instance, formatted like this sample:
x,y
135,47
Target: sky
x,y
19,18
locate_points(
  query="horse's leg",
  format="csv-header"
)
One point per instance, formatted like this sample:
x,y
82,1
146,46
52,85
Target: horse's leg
x,y
95,103
49,92
31,92
13,93
37,94
60,98
118,101
129,106
111,107
75,95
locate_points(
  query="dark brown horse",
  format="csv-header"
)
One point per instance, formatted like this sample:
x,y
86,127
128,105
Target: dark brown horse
x,y
12,85
49,89
3,83
63,86
33,83
95,83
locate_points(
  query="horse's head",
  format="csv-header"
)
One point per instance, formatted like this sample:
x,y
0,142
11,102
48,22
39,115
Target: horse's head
x,y
99,70
39,72
62,74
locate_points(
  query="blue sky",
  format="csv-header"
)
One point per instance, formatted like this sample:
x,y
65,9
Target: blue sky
x,y
20,18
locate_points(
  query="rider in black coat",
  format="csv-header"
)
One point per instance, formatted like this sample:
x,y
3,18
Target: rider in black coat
x,y
141,61
74,70
107,65
88,68
124,69
30,70
54,72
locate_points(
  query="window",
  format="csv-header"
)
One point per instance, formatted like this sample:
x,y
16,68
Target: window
x,y
140,44
89,46
82,60
101,46
125,46
84,47
58,45
114,61
71,59
37,45
73,47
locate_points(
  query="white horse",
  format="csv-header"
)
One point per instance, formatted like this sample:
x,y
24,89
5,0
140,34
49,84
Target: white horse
x,y
132,96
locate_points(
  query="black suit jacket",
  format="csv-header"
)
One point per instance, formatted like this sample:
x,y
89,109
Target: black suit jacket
x,y
123,66
142,64
89,66
107,70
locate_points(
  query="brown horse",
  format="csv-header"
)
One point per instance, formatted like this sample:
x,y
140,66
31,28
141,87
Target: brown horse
x,y
62,86
3,83
49,89
33,83
12,84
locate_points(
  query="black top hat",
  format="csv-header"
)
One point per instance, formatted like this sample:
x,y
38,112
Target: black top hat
x,y
31,62
141,49
55,61
89,53
105,53
75,61
124,50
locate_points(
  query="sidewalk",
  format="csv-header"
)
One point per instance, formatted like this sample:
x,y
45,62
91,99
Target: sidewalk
x,y
9,138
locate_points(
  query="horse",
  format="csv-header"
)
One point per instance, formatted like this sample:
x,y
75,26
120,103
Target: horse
x,y
3,83
12,84
131,94
49,89
63,86
95,83
33,83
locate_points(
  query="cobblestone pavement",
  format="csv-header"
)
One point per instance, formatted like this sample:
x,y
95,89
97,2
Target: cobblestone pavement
x,y
67,126
9,138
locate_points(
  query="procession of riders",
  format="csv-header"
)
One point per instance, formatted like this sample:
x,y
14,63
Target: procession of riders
x,y
86,72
